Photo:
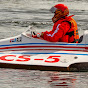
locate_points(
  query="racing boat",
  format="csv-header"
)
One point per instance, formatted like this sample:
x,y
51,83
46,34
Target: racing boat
x,y
24,51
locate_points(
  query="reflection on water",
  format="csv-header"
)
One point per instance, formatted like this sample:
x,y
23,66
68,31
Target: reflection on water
x,y
13,78
62,80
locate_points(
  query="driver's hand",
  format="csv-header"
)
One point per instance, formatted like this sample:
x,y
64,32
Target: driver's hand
x,y
37,35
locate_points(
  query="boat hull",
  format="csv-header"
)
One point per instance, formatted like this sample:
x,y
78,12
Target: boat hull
x,y
45,60
27,52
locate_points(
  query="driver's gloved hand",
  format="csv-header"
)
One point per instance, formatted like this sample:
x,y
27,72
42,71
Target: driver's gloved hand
x,y
38,35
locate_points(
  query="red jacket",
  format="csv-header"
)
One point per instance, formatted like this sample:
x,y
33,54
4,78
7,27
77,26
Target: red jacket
x,y
58,33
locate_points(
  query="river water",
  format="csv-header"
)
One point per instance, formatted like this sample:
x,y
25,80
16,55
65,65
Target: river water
x,y
15,17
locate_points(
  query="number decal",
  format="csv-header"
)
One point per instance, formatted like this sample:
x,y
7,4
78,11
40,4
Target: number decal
x,y
4,57
23,58
54,59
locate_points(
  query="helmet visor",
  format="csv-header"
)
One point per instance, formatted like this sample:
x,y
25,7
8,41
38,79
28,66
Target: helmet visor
x,y
53,9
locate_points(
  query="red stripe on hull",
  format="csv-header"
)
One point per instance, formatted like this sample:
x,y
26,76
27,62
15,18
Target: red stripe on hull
x,y
44,47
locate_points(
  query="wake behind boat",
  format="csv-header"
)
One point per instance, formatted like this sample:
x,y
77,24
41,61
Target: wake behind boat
x,y
24,51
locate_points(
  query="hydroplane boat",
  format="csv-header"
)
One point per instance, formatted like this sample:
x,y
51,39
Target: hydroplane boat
x,y
24,51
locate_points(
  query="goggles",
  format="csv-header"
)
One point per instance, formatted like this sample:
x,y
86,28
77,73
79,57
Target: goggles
x,y
53,9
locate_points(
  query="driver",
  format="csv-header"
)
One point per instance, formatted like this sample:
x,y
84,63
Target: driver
x,y
64,28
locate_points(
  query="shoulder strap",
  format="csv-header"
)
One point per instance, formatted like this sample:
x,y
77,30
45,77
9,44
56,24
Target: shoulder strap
x,y
69,33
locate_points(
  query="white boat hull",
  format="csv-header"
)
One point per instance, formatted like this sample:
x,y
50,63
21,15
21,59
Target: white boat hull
x,y
28,51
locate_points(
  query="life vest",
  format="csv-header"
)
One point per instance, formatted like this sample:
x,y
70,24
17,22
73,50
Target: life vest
x,y
74,28
73,31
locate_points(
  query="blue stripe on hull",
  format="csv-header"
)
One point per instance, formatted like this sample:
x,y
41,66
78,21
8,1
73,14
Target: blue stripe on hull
x,y
51,53
42,44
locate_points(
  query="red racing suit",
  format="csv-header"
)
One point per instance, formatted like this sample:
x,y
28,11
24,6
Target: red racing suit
x,y
64,30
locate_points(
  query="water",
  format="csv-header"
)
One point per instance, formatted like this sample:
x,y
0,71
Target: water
x,y
12,78
15,17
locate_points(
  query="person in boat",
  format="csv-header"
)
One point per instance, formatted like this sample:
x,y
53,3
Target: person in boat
x,y
64,28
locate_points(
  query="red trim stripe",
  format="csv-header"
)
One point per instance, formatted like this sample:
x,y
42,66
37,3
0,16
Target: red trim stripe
x,y
43,47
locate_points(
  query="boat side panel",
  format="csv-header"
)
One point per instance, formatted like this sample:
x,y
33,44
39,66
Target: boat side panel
x,y
59,58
